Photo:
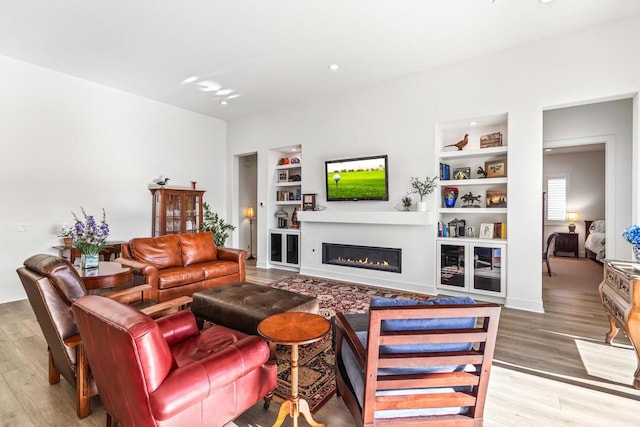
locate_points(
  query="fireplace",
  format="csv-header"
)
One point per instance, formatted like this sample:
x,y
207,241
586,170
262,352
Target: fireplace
x,y
368,257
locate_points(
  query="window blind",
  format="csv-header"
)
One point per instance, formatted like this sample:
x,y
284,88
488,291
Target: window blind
x,y
556,199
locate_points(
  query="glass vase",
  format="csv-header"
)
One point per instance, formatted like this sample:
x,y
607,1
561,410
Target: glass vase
x,y
636,252
89,261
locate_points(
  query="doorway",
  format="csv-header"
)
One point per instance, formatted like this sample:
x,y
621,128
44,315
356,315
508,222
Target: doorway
x,y
247,205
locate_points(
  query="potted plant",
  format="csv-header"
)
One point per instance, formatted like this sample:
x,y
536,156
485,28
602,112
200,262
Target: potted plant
x,y
66,232
214,223
423,188
89,237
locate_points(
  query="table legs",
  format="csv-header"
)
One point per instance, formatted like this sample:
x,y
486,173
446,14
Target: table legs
x,y
295,406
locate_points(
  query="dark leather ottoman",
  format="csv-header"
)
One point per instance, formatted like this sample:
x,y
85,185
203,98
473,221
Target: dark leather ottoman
x,y
241,306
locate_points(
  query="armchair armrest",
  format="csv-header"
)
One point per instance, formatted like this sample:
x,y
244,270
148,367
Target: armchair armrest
x,y
206,376
128,295
166,307
231,254
346,331
178,327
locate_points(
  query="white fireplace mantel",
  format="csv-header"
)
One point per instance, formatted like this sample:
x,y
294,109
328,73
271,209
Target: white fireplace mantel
x,y
367,217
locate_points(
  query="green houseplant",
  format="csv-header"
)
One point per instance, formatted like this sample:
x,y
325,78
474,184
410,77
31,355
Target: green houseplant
x,y
214,223
423,188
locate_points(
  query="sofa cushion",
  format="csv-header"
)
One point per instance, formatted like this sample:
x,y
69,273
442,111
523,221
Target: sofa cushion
x,y
219,268
162,252
197,247
179,276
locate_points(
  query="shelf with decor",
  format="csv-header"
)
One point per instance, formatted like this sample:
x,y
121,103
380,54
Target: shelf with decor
x,y
471,220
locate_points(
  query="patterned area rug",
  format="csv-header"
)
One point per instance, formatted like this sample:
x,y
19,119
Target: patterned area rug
x,y
316,377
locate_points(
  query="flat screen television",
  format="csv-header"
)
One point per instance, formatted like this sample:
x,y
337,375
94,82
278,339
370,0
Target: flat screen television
x,y
361,178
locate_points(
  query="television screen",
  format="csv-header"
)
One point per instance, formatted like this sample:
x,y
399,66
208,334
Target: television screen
x,y
363,178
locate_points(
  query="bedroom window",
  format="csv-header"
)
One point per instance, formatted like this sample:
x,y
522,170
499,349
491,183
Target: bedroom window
x,y
556,199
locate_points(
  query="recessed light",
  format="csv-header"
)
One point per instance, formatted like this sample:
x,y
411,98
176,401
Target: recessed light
x,y
547,149
224,92
473,123
233,96
209,86
545,1
334,67
189,80
294,149
223,102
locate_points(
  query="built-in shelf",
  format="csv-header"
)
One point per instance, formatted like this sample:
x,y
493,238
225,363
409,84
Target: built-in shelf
x,y
478,181
289,202
367,217
289,184
482,152
473,210
472,240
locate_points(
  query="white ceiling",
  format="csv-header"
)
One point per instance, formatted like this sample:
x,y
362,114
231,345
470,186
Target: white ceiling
x,y
273,52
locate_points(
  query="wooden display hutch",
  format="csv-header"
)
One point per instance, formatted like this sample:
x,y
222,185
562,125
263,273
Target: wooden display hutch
x,y
176,211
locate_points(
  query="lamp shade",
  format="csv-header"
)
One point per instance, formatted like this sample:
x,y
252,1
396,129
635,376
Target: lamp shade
x,y
572,216
250,212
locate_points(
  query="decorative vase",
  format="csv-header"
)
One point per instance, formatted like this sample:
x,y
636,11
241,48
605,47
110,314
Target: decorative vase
x,y
450,196
68,242
636,252
89,261
421,206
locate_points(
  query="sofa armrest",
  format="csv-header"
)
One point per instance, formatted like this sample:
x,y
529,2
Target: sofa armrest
x,y
231,254
236,255
178,327
207,375
149,271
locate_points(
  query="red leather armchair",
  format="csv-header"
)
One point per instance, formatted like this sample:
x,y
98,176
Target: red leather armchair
x,y
166,372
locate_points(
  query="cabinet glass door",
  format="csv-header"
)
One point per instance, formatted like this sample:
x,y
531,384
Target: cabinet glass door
x,y
276,247
488,268
452,265
292,248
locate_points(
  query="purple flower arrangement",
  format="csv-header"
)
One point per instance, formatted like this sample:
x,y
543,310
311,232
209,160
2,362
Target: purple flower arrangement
x,y
89,236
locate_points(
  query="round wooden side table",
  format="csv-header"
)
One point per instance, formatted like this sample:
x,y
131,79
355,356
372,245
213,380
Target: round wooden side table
x,y
107,275
294,329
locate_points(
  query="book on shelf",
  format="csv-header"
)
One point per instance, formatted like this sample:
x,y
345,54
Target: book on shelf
x,y
499,230
445,172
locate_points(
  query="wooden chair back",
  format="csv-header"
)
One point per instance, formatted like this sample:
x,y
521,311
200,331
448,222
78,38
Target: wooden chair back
x,y
445,389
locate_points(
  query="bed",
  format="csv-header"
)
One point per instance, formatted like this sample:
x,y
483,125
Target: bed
x,y
595,241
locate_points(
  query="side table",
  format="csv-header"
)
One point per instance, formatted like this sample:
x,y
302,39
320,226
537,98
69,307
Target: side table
x,y
294,329
107,275
566,242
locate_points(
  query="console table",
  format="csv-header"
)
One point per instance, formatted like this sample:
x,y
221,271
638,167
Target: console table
x,y
620,295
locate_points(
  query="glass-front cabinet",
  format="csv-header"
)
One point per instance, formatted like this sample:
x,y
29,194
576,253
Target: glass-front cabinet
x,y
176,211
284,245
472,266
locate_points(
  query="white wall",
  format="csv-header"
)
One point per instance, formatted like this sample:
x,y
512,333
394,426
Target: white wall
x,y
399,118
68,143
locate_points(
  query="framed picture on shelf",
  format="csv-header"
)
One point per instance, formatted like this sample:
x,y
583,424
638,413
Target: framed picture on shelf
x,y
469,231
283,176
461,173
496,199
486,231
491,140
496,168
308,202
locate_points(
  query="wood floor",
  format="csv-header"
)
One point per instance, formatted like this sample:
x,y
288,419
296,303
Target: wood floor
x,y
550,369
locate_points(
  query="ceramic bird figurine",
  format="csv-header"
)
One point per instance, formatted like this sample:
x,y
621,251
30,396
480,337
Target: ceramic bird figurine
x,y
460,144
163,181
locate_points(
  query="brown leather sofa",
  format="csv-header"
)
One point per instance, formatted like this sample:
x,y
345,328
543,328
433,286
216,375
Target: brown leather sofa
x,y
181,264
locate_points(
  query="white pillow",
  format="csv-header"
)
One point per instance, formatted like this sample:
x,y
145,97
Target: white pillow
x,y
598,226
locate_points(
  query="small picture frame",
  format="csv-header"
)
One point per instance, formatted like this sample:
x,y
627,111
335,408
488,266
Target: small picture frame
x,y
491,140
461,173
308,202
469,231
496,199
283,176
486,231
496,168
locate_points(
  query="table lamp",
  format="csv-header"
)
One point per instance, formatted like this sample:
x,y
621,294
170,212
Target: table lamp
x,y
251,214
572,217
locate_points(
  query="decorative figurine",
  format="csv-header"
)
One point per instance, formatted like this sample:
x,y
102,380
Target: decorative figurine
x,y
481,172
470,200
460,144
294,219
